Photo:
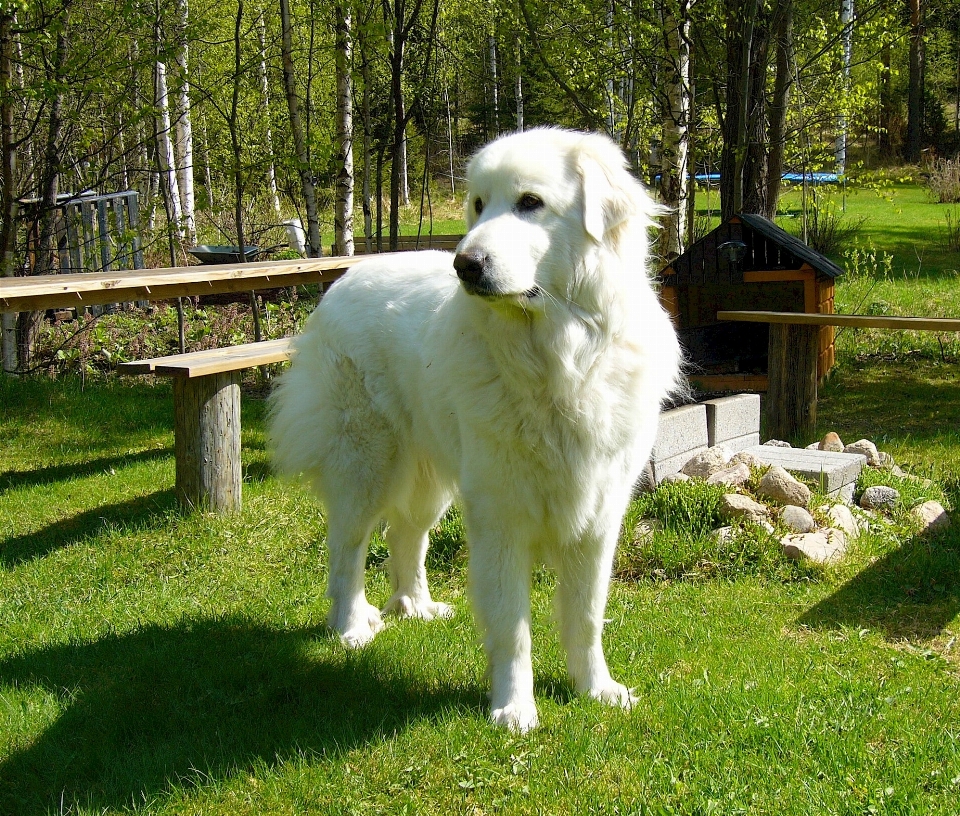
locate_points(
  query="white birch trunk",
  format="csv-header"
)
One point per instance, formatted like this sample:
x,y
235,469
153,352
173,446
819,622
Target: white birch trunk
x,y
268,136
168,161
404,176
846,36
518,92
343,215
494,84
676,126
184,128
450,158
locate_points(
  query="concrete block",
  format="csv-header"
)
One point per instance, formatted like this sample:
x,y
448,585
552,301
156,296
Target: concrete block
x,y
740,443
731,418
681,434
835,473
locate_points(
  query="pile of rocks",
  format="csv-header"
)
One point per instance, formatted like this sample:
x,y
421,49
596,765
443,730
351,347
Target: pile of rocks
x,y
777,498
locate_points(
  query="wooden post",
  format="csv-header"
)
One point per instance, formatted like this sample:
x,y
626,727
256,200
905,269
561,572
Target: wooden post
x,y
791,403
207,440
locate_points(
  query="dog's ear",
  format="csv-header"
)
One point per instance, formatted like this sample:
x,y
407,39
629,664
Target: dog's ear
x,y
610,194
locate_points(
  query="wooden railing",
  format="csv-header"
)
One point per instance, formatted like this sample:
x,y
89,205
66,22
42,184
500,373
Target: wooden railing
x,y
791,402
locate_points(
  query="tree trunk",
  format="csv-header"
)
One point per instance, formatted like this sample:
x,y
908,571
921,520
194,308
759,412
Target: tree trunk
x,y
367,131
846,39
343,215
737,129
399,119
268,135
296,129
782,83
28,323
168,160
884,136
676,126
8,192
494,86
915,86
184,127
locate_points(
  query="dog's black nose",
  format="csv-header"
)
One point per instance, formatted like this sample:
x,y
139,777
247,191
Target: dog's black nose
x,y
470,266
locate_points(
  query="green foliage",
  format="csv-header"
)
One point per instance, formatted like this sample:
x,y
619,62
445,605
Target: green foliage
x,y
681,543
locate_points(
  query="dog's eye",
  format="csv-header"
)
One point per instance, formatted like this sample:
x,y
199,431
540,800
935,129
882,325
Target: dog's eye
x,y
529,203
478,206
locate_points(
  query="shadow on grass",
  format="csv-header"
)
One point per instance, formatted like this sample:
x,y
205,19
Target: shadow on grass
x,y
70,530
158,706
881,399
13,479
911,593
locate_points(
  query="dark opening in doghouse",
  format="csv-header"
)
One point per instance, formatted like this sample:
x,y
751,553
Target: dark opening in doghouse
x,y
747,262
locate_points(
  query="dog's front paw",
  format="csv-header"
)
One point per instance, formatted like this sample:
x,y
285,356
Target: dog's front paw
x,y
360,627
516,717
614,694
403,606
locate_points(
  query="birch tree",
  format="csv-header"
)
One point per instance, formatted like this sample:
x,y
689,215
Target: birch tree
x,y
184,129
297,132
343,216
676,126
168,159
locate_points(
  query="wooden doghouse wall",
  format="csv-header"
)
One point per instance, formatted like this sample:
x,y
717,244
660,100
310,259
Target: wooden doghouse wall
x,y
784,290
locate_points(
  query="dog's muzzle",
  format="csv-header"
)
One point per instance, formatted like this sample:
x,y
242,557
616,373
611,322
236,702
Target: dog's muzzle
x,y
472,269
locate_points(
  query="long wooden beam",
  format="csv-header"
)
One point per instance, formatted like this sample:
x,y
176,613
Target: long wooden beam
x,y
943,324
39,292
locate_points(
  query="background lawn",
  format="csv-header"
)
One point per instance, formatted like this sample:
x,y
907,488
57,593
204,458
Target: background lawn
x,y
160,662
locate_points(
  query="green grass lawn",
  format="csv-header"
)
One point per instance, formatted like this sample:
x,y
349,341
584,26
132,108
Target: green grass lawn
x,y
154,661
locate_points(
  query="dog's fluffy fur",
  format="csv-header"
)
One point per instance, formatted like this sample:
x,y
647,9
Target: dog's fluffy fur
x,y
530,389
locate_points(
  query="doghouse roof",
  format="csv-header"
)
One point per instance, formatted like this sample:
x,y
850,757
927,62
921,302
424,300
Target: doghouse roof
x,y
767,248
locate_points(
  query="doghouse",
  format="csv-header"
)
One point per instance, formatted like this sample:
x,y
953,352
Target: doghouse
x,y
747,262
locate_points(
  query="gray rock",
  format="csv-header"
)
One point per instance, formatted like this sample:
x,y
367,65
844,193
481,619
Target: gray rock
x,y
933,518
704,464
866,448
676,477
822,547
797,519
777,443
731,476
723,534
748,459
646,528
734,507
779,485
886,461
880,497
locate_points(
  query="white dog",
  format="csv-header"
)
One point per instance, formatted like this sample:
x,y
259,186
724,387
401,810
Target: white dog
x,y
530,388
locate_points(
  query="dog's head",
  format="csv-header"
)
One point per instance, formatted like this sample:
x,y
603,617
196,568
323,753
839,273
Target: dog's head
x,y
540,205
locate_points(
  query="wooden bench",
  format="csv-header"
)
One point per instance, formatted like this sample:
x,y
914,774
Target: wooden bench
x,y
206,404
39,292
791,402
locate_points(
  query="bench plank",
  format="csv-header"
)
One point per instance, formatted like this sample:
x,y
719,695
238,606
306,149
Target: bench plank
x,y
944,324
213,361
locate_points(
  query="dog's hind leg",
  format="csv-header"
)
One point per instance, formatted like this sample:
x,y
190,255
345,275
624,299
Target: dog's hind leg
x,y
582,588
407,537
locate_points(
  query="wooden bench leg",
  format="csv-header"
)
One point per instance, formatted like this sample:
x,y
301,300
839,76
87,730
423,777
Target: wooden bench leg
x,y
791,403
207,441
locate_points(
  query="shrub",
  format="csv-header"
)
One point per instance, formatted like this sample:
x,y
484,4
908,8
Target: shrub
x,y
829,229
944,180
